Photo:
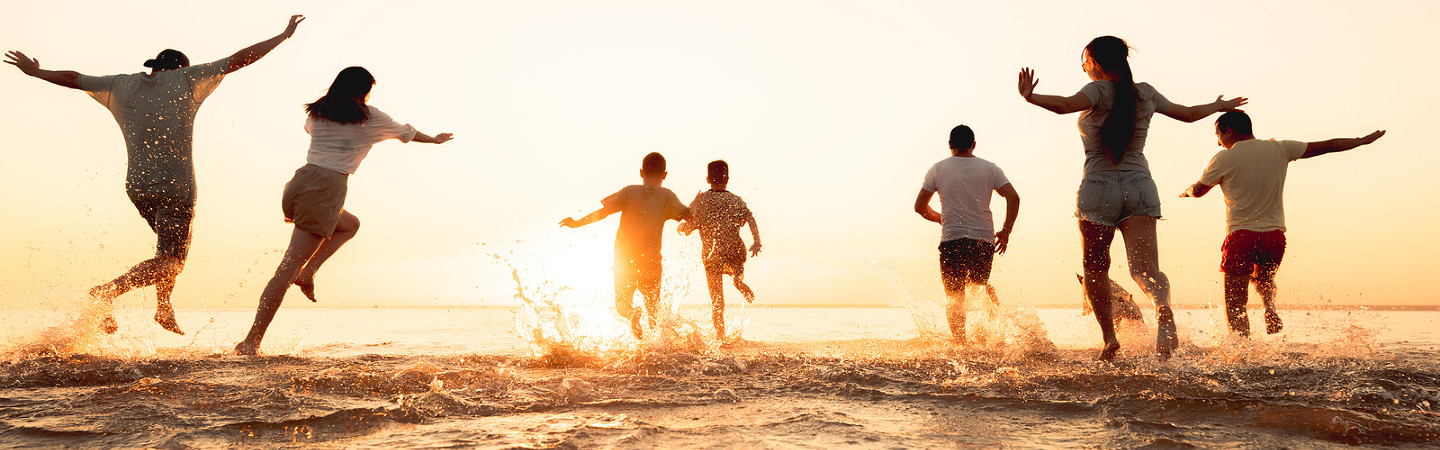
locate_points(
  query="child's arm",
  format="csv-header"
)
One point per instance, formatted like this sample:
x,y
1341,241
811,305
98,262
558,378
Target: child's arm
x,y
1053,103
603,212
754,233
689,226
1012,210
922,207
1313,149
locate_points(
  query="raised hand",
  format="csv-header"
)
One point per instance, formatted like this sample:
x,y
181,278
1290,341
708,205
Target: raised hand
x,y
567,222
1027,83
1372,137
26,64
294,21
443,137
1231,104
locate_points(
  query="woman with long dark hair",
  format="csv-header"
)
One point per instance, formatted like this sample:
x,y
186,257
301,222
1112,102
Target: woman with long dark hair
x,y
1117,191
342,129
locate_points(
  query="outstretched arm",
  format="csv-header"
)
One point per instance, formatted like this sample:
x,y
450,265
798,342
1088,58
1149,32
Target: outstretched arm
x,y
1012,210
922,207
436,139
593,217
31,67
1189,114
253,53
1313,149
1197,190
1053,103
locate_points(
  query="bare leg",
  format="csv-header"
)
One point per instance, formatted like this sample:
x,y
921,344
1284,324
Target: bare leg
x,y
715,282
1265,285
164,313
1095,242
955,313
302,245
994,300
651,292
1237,292
344,230
1143,252
744,289
625,299
148,272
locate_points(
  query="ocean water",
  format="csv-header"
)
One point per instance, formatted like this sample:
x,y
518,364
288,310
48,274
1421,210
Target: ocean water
x,y
544,375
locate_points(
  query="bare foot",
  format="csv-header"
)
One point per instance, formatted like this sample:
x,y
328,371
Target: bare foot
x,y
1272,322
245,348
307,286
166,318
1109,352
745,291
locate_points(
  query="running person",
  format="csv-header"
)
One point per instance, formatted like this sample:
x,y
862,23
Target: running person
x,y
1117,192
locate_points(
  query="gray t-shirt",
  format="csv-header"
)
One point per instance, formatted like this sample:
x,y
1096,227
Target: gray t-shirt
x,y
156,115
1102,95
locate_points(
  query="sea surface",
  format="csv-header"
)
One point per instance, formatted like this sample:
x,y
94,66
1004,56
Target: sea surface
x,y
542,375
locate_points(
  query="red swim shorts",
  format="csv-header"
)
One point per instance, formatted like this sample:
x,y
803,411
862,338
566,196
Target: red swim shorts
x,y
1248,251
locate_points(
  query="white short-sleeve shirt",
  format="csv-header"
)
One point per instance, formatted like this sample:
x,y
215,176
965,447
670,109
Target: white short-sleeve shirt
x,y
965,185
342,146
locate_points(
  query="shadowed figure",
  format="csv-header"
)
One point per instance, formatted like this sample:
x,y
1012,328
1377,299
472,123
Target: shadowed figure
x,y
968,240
156,115
1117,192
643,209
719,214
1251,174
342,130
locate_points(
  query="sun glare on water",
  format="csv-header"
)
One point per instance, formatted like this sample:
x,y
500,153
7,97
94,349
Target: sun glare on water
x,y
565,284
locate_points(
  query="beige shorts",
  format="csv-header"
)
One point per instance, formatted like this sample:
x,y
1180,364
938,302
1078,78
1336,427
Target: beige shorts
x,y
314,198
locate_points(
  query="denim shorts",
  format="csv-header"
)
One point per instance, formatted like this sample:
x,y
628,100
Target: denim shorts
x,y
1109,196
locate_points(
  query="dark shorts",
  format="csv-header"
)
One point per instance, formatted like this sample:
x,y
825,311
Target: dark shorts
x,y
314,198
729,261
1248,251
169,217
964,262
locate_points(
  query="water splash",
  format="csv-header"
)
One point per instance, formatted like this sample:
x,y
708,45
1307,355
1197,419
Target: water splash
x,y
567,319
1013,329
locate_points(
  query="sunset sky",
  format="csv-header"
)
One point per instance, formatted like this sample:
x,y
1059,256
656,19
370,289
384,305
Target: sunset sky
x,y
829,113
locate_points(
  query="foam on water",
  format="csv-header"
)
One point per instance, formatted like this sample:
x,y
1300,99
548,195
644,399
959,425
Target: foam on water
x,y
583,381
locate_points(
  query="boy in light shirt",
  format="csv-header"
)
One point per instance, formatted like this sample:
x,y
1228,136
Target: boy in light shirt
x,y
719,214
1251,174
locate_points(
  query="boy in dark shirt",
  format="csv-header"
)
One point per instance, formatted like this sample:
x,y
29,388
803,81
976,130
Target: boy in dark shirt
x,y
643,209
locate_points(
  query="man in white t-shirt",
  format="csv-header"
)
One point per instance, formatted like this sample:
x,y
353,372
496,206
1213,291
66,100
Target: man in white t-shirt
x,y
968,240
156,113
1251,174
